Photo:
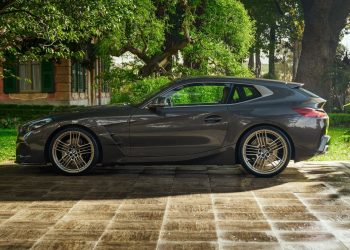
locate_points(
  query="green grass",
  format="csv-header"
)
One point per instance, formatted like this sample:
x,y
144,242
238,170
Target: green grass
x,y
338,150
7,144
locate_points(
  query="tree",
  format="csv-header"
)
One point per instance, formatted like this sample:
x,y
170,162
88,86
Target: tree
x,y
324,20
339,76
32,29
278,22
213,36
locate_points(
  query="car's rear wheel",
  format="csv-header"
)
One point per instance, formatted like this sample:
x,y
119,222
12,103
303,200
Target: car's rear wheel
x,y
264,151
73,151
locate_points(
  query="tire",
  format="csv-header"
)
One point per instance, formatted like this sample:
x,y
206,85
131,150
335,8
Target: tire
x,y
264,151
73,151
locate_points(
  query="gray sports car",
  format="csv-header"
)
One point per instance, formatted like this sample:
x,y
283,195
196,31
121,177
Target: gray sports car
x,y
261,124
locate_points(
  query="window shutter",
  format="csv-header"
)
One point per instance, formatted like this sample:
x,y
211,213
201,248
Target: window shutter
x,y
73,77
47,77
81,77
10,79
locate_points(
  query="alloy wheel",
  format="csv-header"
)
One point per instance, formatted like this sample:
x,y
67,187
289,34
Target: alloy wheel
x,y
73,151
265,151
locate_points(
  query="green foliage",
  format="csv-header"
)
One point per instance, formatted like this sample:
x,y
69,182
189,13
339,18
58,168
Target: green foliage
x,y
7,144
338,74
338,148
135,91
347,108
339,119
198,94
56,29
213,37
346,136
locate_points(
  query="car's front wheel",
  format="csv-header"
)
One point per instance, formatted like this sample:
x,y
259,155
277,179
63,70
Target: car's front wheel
x,y
73,151
264,151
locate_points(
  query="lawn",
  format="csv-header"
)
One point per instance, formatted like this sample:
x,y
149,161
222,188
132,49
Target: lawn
x,y
338,150
7,144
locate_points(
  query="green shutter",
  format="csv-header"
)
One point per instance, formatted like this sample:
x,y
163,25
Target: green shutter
x,y
47,77
10,79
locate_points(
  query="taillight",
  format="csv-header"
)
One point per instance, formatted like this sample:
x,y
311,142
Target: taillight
x,y
310,112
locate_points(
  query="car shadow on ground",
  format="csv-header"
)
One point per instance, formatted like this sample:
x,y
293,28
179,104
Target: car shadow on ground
x,y
33,183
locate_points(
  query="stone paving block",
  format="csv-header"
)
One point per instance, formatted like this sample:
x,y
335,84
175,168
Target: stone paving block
x,y
20,233
103,245
154,225
306,236
229,225
189,225
181,236
64,244
291,216
299,226
130,236
251,245
188,245
16,244
245,236
329,245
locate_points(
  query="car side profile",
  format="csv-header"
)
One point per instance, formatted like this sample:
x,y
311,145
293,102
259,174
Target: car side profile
x,y
258,123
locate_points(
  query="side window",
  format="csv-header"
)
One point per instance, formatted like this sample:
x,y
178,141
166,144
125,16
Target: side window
x,y
198,94
235,96
243,93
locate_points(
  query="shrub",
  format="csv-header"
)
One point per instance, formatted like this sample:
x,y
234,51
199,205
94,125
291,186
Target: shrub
x,y
339,119
138,91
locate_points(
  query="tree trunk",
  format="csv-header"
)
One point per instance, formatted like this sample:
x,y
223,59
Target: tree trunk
x,y
296,57
324,20
251,59
272,48
257,62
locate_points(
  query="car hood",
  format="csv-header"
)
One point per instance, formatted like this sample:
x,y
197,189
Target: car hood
x,y
121,110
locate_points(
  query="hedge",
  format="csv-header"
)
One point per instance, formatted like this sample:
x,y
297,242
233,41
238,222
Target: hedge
x,y
339,119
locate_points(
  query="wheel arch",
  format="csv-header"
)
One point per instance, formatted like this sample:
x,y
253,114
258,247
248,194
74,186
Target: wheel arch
x,y
59,129
262,125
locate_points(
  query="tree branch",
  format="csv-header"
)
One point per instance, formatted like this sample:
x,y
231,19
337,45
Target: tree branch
x,y
133,50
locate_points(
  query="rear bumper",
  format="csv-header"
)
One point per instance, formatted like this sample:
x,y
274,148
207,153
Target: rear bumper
x,y
323,144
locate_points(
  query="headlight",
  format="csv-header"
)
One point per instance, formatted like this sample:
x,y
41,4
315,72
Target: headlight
x,y
37,124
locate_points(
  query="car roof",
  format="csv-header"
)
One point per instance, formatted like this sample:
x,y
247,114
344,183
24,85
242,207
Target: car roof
x,y
254,81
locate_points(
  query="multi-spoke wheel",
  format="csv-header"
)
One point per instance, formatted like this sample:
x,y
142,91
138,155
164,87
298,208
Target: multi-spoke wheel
x,y
264,151
73,151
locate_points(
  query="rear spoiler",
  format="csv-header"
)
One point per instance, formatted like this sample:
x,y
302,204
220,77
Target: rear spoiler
x,y
294,85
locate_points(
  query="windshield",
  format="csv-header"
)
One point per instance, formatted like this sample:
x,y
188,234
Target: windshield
x,y
153,94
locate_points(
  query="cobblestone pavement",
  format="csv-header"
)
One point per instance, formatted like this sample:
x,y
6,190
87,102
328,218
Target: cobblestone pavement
x,y
176,207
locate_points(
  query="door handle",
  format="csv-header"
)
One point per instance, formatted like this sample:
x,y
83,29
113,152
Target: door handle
x,y
213,119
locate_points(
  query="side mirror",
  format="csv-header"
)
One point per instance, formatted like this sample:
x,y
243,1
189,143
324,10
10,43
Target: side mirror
x,y
159,102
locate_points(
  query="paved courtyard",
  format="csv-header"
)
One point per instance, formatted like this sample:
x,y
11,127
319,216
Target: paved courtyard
x,y
176,207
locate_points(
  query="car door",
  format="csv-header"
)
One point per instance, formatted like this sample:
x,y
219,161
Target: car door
x,y
194,121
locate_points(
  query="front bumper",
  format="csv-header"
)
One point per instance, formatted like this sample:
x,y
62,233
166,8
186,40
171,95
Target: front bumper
x,y
323,144
30,148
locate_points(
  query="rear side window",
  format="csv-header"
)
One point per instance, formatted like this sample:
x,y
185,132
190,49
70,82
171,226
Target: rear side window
x,y
307,92
244,93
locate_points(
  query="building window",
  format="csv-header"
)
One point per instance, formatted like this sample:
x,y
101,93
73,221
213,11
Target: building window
x,y
78,77
30,77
